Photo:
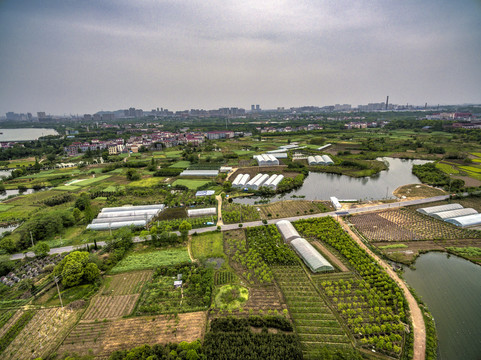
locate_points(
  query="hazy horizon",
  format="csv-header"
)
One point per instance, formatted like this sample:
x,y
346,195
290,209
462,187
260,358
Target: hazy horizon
x,y
85,56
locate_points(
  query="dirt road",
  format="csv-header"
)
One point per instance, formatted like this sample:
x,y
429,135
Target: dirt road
x,y
219,210
416,314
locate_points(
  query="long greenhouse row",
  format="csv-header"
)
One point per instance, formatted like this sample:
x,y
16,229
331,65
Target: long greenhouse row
x,y
454,214
117,217
308,253
243,181
320,160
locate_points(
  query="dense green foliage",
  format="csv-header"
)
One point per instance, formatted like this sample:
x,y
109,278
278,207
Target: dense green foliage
x,y
267,241
160,296
184,350
236,213
374,306
76,268
429,174
288,184
168,172
231,338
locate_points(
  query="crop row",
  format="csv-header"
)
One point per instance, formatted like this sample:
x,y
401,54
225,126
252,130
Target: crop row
x,y
372,306
126,283
108,307
14,330
238,213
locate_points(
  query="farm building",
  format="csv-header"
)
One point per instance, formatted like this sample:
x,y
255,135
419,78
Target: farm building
x,y
287,230
276,181
280,155
323,147
311,160
269,181
319,160
440,208
454,213
201,212
465,221
311,257
199,173
225,169
266,160
241,180
237,179
204,193
337,205
327,160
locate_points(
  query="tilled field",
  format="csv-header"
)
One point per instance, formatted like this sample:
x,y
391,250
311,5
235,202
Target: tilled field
x,y
110,307
126,283
103,338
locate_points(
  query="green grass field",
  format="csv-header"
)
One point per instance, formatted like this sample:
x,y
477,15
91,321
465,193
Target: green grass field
x,y
446,168
90,181
191,184
208,245
173,154
183,164
148,182
150,260
67,187
5,207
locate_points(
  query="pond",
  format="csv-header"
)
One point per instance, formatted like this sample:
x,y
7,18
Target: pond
x,y
321,186
6,229
451,288
8,193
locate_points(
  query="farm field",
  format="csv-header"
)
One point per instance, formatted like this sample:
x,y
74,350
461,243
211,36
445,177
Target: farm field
x,y
237,213
183,164
7,319
125,284
313,320
151,259
104,337
191,184
147,182
207,245
291,208
110,307
407,225
42,334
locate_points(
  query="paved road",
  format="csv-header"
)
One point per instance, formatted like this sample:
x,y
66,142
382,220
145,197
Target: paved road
x,y
258,223
417,319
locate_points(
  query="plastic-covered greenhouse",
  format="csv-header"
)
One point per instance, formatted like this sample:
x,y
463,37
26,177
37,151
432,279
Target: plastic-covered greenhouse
x,y
311,257
440,208
287,230
327,160
252,181
121,218
454,213
259,182
139,207
276,181
201,212
199,173
319,160
465,221
116,225
126,213
311,160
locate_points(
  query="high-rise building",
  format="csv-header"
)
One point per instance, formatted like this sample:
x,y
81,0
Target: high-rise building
x,y
253,108
258,108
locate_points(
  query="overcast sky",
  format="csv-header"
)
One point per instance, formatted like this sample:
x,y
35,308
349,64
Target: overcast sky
x,y
80,57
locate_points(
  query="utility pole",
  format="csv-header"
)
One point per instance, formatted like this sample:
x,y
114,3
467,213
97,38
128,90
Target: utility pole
x,y
31,238
58,290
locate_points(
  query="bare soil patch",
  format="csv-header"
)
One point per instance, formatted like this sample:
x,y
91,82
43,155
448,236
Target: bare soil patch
x,y
417,191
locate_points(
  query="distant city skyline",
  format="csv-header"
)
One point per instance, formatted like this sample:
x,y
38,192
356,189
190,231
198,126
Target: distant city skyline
x,y
77,57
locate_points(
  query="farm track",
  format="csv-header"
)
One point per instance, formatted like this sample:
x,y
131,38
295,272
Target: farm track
x,y
331,257
415,312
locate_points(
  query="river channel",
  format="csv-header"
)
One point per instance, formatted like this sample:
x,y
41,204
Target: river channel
x,y
25,134
451,288
321,186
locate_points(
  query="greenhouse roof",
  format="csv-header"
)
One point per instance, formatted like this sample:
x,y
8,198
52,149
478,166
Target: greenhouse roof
x,y
464,221
199,173
311,257
287,230
439,208
201,212
454,213
130,208
205,193
116,225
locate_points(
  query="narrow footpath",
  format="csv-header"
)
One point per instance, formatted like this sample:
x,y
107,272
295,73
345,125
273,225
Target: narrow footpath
x,y
416,314
219,210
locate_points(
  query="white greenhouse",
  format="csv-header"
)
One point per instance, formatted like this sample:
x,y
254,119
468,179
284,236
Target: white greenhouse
x,y
311,160
327,160
270,180
440,208
259,182
126,213
319,160
117,217
266,160
122,218
116,225
199,173
311,257
276,181
287,230
335,202
454,213
159,207
465,221
253,180
201,212
237,180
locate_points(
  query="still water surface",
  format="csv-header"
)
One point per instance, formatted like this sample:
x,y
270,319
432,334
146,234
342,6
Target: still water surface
x,y
451,288
24,134
321,186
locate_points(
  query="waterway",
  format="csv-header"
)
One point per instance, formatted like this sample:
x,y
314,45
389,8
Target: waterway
x,y
321,186
24,134
8,193
451,288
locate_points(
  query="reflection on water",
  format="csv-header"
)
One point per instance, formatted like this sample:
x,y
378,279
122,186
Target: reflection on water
x,y
321,186
451,288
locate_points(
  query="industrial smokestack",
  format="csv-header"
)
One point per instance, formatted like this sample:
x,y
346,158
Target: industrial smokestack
x,y
387,101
